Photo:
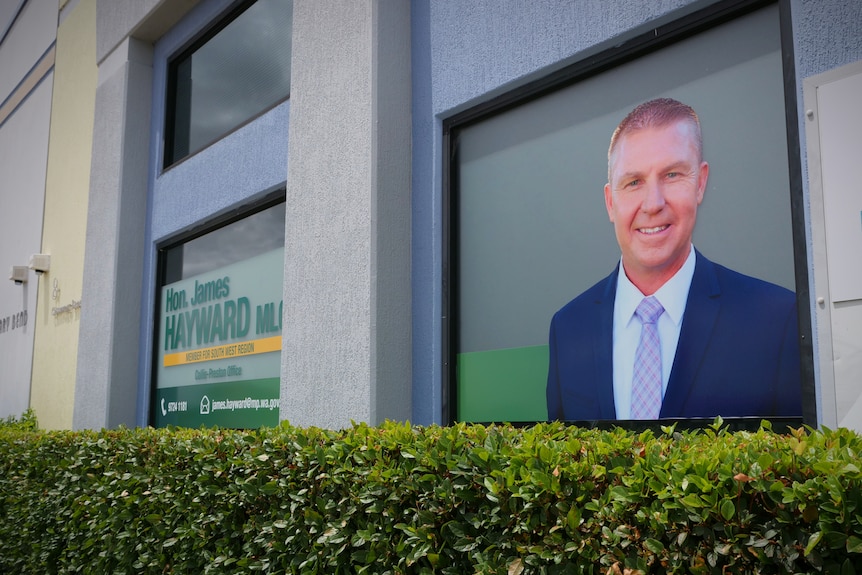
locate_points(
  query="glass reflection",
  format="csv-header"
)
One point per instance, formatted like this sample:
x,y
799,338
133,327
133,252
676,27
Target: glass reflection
x,y
238,241
240,72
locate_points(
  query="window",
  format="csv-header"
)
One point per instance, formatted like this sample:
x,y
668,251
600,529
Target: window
x,y
234,72
218,346
529,228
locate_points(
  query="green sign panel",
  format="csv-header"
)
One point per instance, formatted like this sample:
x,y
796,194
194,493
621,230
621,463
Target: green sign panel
x,y
503,385
230,404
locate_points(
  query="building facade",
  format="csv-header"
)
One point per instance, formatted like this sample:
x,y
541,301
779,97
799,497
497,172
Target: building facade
x,y
249,206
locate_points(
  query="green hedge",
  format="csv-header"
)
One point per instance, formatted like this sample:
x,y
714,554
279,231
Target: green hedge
x,y
400,499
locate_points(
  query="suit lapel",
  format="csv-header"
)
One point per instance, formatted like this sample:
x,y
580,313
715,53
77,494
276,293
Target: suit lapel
x,y
603,348
701,313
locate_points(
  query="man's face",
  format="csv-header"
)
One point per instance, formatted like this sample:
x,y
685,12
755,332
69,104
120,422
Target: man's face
x,y
657,181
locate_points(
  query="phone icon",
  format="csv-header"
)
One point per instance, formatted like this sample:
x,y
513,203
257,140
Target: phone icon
x,y
164,411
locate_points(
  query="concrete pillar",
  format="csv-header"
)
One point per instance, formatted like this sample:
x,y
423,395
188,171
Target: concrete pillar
x,y
347,321
106,388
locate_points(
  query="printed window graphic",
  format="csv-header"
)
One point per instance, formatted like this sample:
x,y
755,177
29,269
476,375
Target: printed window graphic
x,y
532,228
218,352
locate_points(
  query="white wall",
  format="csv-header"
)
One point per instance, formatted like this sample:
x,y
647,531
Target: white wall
x,y
26,81
834,122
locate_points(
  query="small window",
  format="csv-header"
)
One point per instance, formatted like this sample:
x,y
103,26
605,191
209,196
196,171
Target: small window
x,y
237,70
217,360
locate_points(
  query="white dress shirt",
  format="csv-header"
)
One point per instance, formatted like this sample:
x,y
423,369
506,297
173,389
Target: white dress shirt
x,y
627,329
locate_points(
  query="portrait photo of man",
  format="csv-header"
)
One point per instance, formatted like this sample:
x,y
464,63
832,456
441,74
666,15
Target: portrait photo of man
x,y
673,177
670,333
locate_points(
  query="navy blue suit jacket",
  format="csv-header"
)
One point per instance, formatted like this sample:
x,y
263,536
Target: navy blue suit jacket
x,y
738,351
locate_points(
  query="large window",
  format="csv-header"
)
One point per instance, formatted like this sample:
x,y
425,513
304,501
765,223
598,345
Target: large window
x,y
219,309
529,226
234,72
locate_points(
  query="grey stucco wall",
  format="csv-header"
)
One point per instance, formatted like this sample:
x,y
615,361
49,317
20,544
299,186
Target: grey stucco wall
x,y
391,306
482,47
346,329
145,20
826,34
106,378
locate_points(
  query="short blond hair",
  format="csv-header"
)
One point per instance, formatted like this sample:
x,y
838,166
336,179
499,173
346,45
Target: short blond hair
x,y
657,113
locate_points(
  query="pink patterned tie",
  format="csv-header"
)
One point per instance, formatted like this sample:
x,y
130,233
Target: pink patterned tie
x,y
646,384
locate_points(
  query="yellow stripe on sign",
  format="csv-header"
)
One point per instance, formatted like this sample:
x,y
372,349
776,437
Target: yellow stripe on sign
x,y
240,349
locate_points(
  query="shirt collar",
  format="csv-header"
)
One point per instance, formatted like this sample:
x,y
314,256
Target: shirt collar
x,y
672,295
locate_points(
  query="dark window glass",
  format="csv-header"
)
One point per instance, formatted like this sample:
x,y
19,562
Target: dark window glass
x,y
241,240
235,72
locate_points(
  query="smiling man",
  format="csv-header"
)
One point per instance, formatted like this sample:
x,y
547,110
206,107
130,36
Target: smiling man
x,y
669,333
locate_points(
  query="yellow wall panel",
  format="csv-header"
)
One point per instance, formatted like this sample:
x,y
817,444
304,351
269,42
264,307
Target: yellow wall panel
x,y
59,302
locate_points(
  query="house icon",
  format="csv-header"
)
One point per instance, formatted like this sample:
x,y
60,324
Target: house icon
x,y
205,405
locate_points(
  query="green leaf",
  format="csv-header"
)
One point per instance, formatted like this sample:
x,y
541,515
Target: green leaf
x,y
813,540
723,549
490,485
654,546
835,539
269,488
338,501
464,545
573,518
765,461
516,567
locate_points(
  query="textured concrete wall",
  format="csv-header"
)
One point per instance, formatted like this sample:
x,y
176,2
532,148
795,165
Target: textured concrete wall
x,y
469,51
826,34
145,20
346,353
64,229
113,265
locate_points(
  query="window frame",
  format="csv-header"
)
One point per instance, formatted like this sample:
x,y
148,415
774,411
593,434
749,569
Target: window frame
x,y
648,39
266,201
182,54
